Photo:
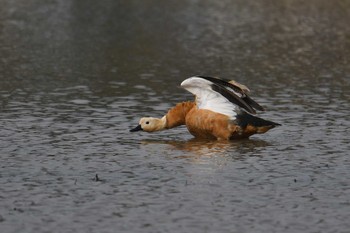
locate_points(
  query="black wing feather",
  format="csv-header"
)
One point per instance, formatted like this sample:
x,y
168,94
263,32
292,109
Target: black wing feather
x,y
252,103
235,95
232,97
224,83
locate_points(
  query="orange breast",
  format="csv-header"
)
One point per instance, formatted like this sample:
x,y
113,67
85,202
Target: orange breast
x,y
208,124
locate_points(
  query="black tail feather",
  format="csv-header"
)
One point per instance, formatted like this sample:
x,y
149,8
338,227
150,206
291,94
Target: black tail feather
x,y
244,119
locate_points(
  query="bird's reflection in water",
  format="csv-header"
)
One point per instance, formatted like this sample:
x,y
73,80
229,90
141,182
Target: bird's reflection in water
x,y
200,148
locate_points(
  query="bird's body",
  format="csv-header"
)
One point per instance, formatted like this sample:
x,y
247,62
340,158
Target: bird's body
x,y
222,110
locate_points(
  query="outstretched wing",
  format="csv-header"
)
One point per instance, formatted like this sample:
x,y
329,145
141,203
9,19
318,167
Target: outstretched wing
x,y
220,96
240,90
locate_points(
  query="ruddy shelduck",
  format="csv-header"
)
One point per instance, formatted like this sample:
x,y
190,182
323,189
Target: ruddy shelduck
x,y
222,110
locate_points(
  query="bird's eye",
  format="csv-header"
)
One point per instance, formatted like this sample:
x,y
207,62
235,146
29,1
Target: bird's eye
x,y
147,122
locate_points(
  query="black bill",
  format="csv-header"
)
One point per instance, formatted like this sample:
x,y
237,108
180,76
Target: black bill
x,y
137,128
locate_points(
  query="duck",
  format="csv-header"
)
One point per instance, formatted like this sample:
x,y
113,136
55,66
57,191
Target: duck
x,y
222,110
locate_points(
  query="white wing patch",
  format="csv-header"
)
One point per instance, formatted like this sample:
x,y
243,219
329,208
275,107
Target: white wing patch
x,y
208,99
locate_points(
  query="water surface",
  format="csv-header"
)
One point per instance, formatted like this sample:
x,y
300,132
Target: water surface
x,y
76,76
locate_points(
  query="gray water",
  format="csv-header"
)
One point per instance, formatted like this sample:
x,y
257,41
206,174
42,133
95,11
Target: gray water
x,y
75,76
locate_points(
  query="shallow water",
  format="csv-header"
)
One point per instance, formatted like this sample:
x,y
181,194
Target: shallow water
x,y
76,76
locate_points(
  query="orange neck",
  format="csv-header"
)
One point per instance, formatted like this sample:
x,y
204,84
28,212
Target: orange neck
x,y
176,116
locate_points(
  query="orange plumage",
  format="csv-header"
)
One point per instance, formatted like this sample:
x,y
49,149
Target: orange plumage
x,y
222,111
